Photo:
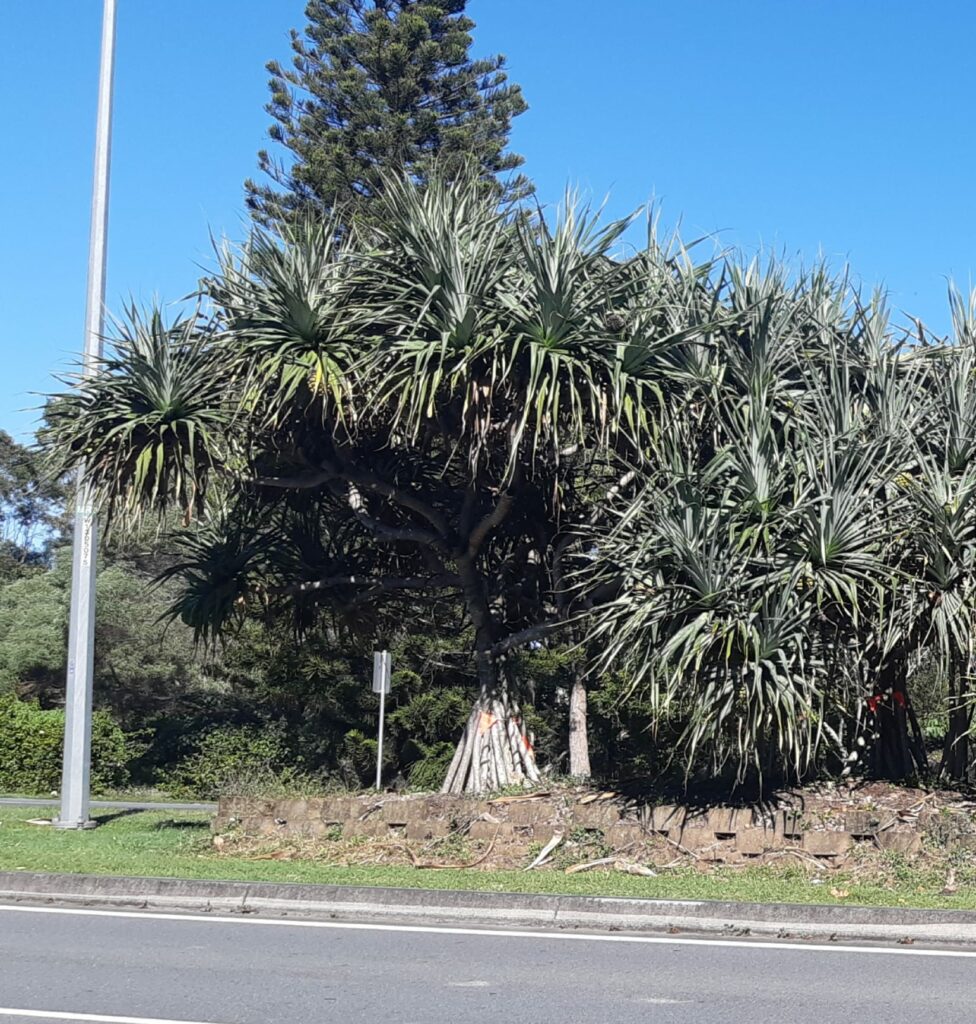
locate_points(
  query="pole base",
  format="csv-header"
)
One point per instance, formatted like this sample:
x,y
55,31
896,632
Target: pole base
x,y
76,825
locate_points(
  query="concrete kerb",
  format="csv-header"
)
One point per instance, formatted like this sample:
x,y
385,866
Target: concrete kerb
x,y
447,907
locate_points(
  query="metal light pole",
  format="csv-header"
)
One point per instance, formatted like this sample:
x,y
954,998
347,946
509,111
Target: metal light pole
x,y
76,776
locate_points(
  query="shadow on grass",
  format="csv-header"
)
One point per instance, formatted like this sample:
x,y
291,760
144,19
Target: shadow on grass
x,y
173,823
104,819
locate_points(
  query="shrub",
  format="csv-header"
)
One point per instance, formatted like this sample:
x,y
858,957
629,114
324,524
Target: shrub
x,y
357,758
31,743
236,758
429,771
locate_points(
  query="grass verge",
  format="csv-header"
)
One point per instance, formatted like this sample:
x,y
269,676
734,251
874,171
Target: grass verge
x,y
154,843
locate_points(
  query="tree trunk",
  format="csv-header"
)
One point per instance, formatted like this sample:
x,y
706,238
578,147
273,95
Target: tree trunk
x,y
579,741
955,752
494,750
897,754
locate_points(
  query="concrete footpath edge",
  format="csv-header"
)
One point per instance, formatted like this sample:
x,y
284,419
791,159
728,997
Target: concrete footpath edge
x,y
501,910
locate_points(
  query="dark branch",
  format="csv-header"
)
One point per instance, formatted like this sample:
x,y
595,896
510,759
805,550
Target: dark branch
x,y
525,636
400,497
494,519
305,482
382,531
377,584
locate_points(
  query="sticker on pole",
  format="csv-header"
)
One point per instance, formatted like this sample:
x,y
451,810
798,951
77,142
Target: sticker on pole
x,y
381,671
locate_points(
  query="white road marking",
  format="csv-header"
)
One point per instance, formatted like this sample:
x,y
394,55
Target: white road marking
x,y
97,1018
467,984
497,933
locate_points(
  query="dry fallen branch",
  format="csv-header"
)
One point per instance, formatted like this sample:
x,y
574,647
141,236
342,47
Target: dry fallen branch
x,y
371,810
819,865
546,850
602,862
591,797
518,799
900,815
678,846
629,867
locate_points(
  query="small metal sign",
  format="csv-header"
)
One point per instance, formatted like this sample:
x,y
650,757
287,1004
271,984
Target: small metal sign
x,y
381,671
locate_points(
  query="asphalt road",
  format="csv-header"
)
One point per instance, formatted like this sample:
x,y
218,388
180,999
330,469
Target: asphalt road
x,y
132,967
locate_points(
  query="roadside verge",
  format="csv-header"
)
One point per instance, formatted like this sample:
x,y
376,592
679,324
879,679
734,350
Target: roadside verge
x,y
508,910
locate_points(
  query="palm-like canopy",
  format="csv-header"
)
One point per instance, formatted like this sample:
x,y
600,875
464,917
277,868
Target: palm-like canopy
x,y
436,404
805,533
771,496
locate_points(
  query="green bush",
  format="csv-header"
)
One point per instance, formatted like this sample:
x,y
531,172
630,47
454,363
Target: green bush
x,y
428,772
357,758
31,741
236,759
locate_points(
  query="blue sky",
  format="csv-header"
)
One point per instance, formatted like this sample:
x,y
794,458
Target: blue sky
x,y
841,127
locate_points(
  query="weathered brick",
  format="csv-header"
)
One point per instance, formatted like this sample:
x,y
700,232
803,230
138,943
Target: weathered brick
x,y
417,810
394,812
460,808
596,815
790,824
359,805
753,842
667,817
336,808
692,838
540,833
623,833
489,830
528,813
826,844
426,829
263,807
291,811
907,843
861,823
318,829
722,819
372,826
314,805
260,826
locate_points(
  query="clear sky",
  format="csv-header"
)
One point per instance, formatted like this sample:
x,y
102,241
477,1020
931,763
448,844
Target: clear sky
x,y
842,127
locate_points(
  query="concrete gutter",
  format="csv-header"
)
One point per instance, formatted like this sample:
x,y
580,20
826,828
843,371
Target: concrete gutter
x,y
508,910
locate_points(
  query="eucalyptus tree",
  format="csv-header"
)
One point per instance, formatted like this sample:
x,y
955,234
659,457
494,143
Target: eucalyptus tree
x,y
433,407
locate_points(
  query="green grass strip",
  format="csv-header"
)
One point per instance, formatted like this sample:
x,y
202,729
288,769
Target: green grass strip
x,y
156,844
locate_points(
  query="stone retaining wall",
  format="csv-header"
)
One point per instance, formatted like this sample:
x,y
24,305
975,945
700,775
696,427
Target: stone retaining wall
x,y
519,825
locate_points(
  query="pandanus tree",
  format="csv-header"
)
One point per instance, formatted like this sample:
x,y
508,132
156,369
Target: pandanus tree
x,y
801,534
436,405
939,510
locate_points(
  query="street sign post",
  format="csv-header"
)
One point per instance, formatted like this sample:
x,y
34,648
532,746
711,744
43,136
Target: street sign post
x,y
381,685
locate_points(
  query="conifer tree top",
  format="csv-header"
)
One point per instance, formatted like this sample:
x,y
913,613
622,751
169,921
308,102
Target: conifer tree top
x,y
380,85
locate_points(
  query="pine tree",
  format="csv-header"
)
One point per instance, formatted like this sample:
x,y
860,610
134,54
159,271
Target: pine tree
x,y
380,85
